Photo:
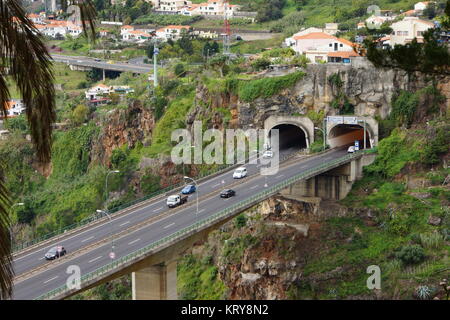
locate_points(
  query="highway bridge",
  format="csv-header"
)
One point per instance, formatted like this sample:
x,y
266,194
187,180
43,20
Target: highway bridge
x,y
149,236
86,63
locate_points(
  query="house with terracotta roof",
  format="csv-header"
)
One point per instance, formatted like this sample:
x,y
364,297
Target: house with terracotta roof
x,y
36,18
330,28
14,108
125,30
172,32
406,30
375,21
317,46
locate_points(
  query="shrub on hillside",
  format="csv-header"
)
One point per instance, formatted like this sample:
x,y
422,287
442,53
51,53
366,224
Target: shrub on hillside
x,y
411,254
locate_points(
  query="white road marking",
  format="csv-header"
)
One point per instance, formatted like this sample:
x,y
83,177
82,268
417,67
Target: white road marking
x,y
95,259
201,211
216,185
134,241
50,280
169,225
87,239
280,176
124,223
254,187
158,209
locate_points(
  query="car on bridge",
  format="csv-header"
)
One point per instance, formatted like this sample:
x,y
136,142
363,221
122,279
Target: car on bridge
x,y
351,149
227,193
55,252
240,173
190,188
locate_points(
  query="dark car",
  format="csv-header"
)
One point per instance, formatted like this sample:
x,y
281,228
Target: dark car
x,y
55,252
227,193
190,188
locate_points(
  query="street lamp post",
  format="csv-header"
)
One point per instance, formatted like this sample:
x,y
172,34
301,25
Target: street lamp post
x,y
110,229
196,189
10,229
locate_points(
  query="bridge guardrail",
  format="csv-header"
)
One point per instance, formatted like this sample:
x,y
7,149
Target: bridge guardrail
x,y
223,213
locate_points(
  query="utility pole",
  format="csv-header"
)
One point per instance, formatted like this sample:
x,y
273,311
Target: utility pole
x,y
226,31
155,64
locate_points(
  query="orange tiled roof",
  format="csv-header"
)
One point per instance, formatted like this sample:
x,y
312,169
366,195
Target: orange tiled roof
x,y
322,35
343,54
315,35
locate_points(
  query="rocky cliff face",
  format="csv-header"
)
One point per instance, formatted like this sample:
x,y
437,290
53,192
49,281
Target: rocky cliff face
x,y
266,258
370,90
122,126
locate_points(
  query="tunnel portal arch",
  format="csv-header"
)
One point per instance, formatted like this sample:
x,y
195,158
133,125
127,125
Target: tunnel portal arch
x,y
297,132
344,134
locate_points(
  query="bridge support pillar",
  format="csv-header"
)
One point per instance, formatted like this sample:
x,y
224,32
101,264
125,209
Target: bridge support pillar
x,y
155,283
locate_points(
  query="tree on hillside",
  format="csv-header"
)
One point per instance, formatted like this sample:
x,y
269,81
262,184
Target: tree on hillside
x,y
219,62
23,53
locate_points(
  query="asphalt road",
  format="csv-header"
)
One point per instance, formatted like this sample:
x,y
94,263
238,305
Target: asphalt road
x,y
90,62
52,277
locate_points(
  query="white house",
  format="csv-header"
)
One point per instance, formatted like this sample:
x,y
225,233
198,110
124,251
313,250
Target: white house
x,y
53,30
377,21
171,32
215,8
125,30
97,92
14,108
73,29
35,18
322,47
175,6
330,28
420,6
406,30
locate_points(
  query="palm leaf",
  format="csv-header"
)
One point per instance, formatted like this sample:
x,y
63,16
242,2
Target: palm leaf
x,y
23,54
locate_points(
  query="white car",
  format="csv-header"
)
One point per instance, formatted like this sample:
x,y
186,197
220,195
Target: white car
x,y
351,149
240,173
267,154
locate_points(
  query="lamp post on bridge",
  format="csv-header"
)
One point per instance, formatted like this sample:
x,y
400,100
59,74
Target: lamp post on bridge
x,y
324,136
112,254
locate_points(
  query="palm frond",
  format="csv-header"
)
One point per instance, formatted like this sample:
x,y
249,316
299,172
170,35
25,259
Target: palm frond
x,y
6,270
23,54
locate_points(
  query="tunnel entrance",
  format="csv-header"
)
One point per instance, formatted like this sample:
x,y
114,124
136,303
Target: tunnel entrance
x,y
346,135
291,137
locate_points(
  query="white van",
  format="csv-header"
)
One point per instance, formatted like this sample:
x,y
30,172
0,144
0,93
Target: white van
x,y
240,173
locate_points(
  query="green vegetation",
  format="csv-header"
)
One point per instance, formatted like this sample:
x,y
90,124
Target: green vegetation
x,y
164,20
264,88
198,279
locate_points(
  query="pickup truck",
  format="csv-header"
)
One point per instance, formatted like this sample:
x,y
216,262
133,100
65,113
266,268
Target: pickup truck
x,y
176,200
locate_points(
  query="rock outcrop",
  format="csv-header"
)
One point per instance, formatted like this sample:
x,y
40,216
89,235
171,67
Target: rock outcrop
x,y
122,126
